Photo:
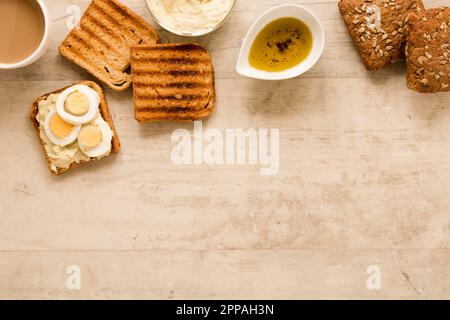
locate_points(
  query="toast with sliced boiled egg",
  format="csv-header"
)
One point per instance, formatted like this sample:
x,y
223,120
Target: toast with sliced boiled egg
x,y
74,126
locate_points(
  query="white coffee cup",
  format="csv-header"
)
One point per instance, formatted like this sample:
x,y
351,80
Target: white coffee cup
x,y
43,46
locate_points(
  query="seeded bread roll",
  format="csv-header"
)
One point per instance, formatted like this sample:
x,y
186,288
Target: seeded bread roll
x,y
101,44
428,51
378,28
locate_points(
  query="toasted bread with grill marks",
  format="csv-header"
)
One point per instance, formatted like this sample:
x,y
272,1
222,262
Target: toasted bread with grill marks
x,y
172,82
104,111
101,43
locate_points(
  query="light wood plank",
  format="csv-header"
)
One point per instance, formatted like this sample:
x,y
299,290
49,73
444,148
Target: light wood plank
x,y
226,274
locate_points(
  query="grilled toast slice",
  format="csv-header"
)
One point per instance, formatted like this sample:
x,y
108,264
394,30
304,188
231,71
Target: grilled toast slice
x,y
172,82
101,43
104,111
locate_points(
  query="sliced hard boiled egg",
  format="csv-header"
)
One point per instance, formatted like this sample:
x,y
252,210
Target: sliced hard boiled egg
x,y
78,104
95,138
60,132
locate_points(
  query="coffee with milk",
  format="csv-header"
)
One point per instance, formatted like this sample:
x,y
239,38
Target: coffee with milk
x,y
22,27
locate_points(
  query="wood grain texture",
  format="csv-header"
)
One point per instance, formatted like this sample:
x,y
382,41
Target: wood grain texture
x,y
364,179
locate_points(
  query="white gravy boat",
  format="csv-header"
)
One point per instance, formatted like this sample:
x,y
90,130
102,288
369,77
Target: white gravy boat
x,y
288,10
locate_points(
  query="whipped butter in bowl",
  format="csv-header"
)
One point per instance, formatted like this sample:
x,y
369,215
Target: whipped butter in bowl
x,y
190,17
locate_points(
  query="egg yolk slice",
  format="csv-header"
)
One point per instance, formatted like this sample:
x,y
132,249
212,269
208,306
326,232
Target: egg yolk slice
x,y
77,104
90,136
59,127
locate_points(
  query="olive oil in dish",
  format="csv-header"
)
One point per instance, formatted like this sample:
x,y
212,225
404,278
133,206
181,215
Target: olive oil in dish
x,y
284,43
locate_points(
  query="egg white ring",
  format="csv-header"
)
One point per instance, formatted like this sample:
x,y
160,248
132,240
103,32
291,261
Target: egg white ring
x,y
93,99
72,137
105,145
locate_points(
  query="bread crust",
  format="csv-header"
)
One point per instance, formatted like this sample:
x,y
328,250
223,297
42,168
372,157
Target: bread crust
x,y
172,82
104,111
101,43
379,42
428,51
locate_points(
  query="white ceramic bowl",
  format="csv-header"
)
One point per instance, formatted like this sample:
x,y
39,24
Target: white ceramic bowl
x,y
284,11
188,34
39,52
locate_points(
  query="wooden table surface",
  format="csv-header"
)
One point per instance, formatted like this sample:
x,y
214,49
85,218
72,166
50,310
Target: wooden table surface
x,y
364,180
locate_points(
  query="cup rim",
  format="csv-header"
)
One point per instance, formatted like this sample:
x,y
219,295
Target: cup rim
x,y
41,46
